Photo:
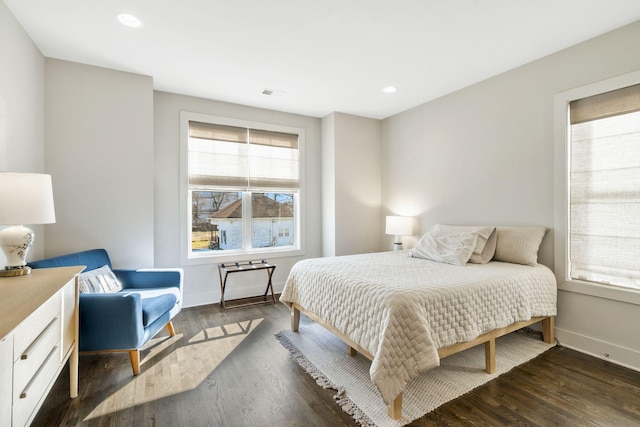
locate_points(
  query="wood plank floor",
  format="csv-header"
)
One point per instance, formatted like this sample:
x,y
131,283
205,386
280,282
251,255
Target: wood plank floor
x,y
229,370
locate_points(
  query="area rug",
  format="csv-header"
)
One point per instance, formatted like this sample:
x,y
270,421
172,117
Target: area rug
x,y
325,358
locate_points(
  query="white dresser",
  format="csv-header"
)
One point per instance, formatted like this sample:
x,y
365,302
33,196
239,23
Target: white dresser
x,y
38,334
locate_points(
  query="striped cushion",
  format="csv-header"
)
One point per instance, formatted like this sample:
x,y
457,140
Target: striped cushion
x,y
99,281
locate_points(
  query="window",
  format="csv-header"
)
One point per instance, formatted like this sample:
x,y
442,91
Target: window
x,y
243,187
604,188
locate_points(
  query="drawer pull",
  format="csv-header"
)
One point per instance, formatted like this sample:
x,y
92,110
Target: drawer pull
x,y
23,395
34,344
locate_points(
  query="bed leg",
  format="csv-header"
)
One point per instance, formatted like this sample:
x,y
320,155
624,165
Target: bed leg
x,y
395,409
548,330
295,319
351,351
490,356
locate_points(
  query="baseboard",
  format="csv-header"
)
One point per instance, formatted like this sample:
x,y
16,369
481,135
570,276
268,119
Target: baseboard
x,y
613,353
203,298
213,296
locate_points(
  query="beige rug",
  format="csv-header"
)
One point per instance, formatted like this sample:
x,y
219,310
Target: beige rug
x,y
325,358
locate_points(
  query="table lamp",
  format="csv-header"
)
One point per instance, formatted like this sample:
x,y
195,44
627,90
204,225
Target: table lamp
x,y
25,198
399,226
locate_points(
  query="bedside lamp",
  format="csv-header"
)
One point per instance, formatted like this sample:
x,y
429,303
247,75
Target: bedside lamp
x,y
399,226
25,198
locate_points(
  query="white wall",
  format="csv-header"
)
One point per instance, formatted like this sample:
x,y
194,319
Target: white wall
x,y
358,184
99,151
351,167
328,186
201,279
485,155
21,109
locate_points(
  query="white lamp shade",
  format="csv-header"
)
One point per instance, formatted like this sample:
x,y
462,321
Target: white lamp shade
x,y
399,225
26,198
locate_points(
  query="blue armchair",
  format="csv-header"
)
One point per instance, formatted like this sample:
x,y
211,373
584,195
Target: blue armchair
x,y
125,320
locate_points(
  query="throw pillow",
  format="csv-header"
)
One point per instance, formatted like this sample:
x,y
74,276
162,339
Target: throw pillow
x,y
519,245
101,280
485,245
451,247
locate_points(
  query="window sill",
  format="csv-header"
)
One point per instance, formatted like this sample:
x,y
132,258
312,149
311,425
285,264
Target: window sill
x,y
210,258
629,296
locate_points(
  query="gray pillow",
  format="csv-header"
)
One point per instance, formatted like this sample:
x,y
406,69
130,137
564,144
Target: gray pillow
x,y
518,245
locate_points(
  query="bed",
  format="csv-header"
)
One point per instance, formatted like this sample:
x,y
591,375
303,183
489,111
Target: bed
x,y
405,313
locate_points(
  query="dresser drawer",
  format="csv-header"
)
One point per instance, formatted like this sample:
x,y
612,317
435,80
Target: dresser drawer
x,y
27,332
29,397
34,356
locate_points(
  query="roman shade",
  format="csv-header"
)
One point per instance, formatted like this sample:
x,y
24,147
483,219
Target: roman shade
x,y
608,104
605,188
241,158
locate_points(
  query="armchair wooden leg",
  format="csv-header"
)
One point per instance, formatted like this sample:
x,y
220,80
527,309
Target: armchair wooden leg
x,y
169,326
134,355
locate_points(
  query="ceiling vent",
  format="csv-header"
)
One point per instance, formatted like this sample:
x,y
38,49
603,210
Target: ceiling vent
x,y
273,92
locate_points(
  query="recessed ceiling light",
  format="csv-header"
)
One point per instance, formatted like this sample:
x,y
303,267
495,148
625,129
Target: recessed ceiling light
x,y
129,20
389,89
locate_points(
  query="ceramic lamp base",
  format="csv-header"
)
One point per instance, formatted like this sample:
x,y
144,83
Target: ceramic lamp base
x,y
15,242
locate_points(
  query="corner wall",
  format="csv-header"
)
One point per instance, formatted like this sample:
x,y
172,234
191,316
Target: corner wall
x,y
351,162
328,186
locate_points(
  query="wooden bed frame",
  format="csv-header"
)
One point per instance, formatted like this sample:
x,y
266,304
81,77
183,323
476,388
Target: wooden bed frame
x,y
488,339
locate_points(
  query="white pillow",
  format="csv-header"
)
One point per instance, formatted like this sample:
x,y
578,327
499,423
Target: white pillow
x,y
485,245
519,245
451,247
99,281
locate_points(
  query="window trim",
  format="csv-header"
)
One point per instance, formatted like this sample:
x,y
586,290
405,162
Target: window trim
x,y
186,256
561,190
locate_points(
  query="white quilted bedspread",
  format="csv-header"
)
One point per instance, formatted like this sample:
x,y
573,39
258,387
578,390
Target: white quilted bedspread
x,y
402,309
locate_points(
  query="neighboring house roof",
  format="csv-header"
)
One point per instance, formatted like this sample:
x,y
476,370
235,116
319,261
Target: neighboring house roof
x,y
261,207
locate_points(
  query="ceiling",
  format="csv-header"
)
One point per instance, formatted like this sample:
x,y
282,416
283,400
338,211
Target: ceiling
x,y
317,56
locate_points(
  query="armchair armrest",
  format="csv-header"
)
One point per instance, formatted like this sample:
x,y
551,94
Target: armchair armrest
x,y
151,278
110,321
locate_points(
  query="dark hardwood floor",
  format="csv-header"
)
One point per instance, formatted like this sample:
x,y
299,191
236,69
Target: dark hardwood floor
x,y
229,370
